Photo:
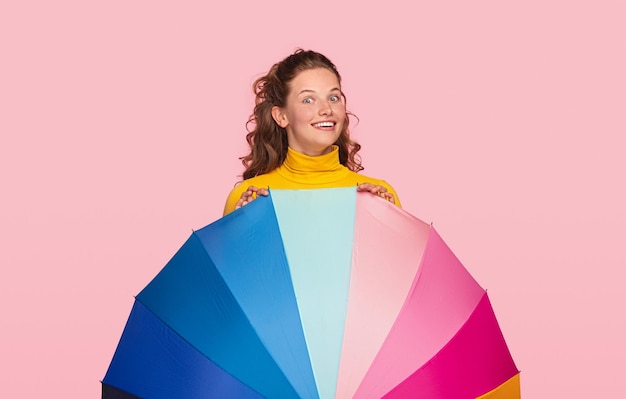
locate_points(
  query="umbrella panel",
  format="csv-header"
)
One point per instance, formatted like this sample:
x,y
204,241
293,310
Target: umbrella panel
x,y
317,228
109,392
152,361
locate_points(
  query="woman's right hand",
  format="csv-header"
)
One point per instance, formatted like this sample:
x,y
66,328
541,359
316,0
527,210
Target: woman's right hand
x,y
377,190
250,195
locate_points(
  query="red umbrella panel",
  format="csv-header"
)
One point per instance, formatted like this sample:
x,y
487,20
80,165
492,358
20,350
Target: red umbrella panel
x,y
325,293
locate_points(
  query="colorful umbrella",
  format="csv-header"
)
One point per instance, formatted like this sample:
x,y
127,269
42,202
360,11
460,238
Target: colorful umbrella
x,y
313,294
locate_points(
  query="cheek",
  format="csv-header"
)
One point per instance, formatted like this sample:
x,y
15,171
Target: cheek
x,y
341,113
302,115
340,109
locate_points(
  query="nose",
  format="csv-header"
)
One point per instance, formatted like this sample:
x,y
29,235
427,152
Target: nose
x,y
325,109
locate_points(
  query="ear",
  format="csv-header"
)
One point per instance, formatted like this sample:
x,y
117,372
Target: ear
x,y
279,116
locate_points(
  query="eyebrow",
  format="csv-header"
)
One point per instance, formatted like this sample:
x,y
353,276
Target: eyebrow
x,y
313,91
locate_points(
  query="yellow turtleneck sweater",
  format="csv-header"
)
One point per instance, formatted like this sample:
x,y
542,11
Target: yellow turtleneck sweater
x,y
301,171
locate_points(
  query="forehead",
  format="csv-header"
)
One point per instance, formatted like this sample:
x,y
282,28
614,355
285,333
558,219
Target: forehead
x,y
318,79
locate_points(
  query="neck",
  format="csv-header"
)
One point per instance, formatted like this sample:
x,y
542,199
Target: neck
x,y
313,153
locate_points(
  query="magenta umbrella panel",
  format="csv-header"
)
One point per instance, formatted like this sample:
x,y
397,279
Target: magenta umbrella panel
x,y
325,293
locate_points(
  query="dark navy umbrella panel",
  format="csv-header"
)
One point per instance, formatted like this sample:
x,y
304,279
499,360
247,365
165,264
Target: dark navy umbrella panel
x,y
152,361
109,392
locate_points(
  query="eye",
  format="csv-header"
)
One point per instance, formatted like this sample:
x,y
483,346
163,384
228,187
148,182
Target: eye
x,y
307,100
335,98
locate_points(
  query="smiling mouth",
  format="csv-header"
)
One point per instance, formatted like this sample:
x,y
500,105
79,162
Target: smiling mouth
x,y
324,124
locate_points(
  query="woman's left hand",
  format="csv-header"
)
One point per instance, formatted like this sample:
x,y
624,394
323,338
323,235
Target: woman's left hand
x,y
377,190
250,195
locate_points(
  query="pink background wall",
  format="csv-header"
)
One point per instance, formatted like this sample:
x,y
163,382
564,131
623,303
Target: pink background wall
x,y
121,124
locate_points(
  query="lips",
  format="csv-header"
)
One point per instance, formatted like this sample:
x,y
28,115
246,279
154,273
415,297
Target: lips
x,y
325,124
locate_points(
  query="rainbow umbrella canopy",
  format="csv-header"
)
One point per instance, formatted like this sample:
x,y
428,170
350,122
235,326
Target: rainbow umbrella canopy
x,y
324,293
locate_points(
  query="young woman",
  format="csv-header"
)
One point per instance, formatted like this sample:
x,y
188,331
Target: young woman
x,y
300,137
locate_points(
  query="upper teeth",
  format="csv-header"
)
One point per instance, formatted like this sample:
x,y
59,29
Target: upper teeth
x,y
325,124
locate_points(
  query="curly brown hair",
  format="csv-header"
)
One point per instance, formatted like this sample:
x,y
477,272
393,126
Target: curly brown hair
x,y
267,140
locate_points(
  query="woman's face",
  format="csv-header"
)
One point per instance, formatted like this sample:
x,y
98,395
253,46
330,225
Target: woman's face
x,y
314,113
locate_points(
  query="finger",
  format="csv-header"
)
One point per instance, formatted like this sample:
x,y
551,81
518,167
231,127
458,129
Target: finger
x,y
249,193
389,197
372,188
381,189
258,191
366,187
244,200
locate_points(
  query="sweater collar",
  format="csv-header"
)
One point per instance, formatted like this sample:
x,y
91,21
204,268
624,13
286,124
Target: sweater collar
x,y
300,164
